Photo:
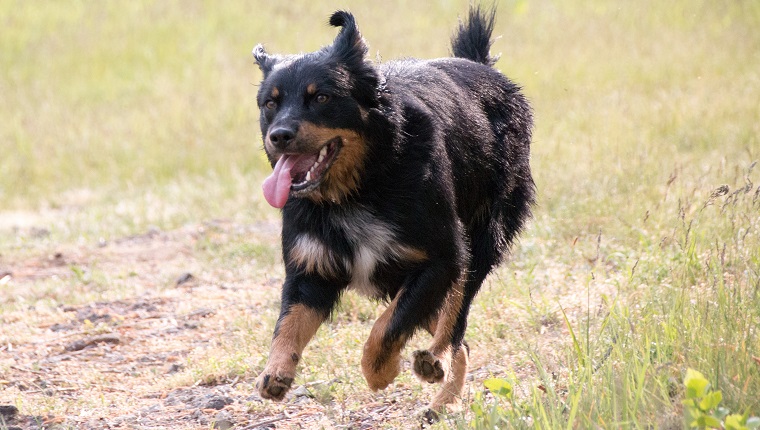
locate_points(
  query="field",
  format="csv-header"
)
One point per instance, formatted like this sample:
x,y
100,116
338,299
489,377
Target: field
x,y
140,265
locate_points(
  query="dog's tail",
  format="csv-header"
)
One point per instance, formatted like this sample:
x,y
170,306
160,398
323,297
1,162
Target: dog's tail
x,y
472,39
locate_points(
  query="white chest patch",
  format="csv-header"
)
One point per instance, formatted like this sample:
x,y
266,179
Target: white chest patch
x,y
374,243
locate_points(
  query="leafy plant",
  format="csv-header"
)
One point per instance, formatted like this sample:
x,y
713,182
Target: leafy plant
x,y
703,410
497,414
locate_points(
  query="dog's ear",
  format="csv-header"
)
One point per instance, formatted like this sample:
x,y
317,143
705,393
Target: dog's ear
x,y
349,46
265,61
350,50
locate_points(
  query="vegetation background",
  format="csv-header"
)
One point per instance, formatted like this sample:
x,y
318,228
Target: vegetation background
x,y
139,263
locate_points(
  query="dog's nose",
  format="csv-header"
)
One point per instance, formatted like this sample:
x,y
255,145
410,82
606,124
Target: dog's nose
x,y
281,137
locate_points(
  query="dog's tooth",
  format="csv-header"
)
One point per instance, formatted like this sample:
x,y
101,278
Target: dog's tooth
x,y
308,176
322,153
321,158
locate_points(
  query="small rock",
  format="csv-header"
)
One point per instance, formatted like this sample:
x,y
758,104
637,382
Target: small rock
x,y
185,278
8,412
94,340
198,416
174,368
60,327
213,401
223,424
302,391
39,232
223,421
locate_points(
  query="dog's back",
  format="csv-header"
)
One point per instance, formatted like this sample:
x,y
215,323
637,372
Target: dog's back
x,y
485,123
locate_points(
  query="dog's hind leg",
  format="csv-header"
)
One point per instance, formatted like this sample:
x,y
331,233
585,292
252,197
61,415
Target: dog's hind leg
x,y
487,252
433,365
449,396
414,306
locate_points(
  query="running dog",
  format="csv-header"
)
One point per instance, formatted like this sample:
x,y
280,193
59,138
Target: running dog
x,y
406,181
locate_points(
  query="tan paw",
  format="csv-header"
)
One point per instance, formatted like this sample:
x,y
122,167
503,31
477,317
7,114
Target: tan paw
x,y
379,377
428,367
273,385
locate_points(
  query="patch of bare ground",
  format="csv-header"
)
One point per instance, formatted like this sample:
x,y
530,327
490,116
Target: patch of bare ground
x,y
109,363
127,356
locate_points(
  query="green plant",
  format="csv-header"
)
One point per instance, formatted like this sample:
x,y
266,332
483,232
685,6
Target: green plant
x,y
703,410
500,412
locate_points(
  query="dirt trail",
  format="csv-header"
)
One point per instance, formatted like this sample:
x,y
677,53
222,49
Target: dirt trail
x,y
137,310
114,363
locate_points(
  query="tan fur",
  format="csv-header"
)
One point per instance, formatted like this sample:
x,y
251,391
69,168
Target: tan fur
x,y
342,178
275,92
381,365
450,394
447,318
293,333
434,364
311,89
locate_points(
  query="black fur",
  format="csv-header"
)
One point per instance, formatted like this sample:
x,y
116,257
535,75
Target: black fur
x,y
445,171
473,41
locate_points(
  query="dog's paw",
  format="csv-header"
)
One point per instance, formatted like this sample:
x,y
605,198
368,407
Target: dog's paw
x,y
428,417
434,412
273,386
428,367
379,377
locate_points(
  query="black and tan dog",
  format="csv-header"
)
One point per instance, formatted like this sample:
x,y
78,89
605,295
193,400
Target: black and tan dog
x,y
406,181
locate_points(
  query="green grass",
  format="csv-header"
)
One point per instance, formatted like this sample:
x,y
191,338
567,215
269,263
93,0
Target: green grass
x,y
119,117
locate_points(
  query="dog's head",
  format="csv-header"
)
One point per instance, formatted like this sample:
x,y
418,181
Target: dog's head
x,y
314,110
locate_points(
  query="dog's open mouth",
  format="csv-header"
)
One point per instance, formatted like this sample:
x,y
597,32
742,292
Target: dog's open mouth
x,y
299,174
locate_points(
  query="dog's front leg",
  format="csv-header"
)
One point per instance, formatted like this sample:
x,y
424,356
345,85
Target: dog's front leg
x,y
296,326
381,359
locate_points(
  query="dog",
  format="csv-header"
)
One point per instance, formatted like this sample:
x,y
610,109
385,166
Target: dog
x,y
407,181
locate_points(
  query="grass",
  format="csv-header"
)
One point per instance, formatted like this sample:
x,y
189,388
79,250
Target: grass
x,y
121,119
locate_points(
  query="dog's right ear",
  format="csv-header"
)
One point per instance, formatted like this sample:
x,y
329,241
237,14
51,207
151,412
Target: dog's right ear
x,y
349,46
265,61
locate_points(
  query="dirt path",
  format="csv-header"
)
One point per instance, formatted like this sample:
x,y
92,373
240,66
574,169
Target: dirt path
x,y
117,363
124,334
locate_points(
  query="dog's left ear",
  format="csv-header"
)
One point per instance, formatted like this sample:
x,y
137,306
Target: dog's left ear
x,y
265,61
349,46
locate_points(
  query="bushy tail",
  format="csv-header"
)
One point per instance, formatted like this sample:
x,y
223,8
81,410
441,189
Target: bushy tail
x,y
472,39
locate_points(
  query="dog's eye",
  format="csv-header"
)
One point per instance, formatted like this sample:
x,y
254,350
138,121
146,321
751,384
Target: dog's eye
x,y
270,104
322,98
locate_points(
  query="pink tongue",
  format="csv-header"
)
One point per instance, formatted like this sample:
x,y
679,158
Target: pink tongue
x,y
277,186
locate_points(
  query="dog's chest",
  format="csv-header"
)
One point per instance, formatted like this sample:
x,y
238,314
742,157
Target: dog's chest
x,y
373,243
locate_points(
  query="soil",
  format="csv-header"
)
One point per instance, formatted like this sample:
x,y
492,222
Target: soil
x,y
169,300
110,363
